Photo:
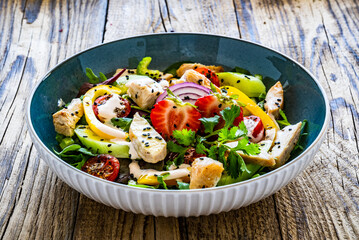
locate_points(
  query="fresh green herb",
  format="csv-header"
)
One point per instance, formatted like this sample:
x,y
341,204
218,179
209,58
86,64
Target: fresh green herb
x,y
302,134
185,137
262,96
79,165
93,78
59,137
138,108
230,114
66,142
71,148
241,70
209,123
246,147
182,185
283,122
161,178
123,123
173,147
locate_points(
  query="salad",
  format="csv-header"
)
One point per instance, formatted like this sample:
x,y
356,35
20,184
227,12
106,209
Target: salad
x,y
191,126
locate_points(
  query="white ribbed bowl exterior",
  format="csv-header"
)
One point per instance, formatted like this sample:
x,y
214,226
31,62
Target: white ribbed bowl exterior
x,y
175,203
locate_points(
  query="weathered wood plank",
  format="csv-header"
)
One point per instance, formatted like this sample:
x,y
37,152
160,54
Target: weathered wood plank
x,y
35,36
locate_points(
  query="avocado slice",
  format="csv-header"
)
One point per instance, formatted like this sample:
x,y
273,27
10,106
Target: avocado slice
x,y
99,145
142,68
249,85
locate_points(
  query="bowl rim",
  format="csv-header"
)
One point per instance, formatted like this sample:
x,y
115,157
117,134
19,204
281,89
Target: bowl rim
x,y
219,188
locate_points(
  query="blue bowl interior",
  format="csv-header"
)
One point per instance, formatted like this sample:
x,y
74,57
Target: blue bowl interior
x,y
303,98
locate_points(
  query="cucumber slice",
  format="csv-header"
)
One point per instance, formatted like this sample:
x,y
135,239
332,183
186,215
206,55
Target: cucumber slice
x,y
249,85
99,145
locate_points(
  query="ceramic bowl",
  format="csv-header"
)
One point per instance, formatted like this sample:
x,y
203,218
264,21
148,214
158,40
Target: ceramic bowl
x,y
304,99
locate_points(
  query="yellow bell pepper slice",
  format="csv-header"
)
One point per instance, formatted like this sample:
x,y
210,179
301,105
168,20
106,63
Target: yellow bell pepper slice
x,y
96,125
150,179
252,107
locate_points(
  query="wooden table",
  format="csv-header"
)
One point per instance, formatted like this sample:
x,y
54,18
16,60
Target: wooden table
x,y
321,203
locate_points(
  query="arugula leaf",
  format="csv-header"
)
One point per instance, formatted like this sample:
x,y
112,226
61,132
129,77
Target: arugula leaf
x,y
123,123
86,151
182,185
102,77
71,148
161,178
283,122
230,114
241,70
79,165
209,123
185,137
92,77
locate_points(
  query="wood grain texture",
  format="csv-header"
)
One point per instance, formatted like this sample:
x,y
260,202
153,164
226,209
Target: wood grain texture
x,y
321,203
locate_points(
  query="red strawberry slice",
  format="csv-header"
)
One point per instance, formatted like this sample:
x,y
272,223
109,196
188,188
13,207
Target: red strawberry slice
x,y
209,74
167,116
255,128
209,106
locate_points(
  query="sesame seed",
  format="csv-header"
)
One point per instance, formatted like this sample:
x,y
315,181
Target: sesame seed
x,y
152,91
201,158
110,86
149,137
84,136
278,99
129,155
72,114
238,81
136,96
222,80
199,81
109,145
175,125
195,67
158,94
174,107
187,124
289,129
109,151
102,140
220,105
246,76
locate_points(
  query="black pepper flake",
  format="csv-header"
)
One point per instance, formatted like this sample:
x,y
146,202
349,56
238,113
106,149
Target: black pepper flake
x,y
109,145
238,81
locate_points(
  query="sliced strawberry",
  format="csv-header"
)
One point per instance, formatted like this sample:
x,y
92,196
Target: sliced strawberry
x,y
167,116
255,128
209,106
209,74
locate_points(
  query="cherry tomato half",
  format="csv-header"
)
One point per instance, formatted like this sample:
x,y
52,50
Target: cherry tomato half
x,y
103,166
209,74
103,99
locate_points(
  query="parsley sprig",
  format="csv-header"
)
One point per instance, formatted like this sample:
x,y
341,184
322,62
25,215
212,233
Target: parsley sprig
x,y
217,149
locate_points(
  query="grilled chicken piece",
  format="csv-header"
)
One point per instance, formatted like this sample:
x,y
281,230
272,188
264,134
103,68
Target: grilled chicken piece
x,y
144,91
65,120
126,72
186,66
148,143
166,76
274,101
263,158
196,77
174,81
284,143
205,173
